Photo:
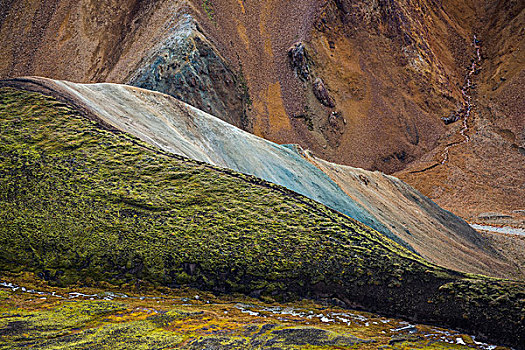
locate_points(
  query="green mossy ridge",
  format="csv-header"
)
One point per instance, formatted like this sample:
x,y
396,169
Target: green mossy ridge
x,y
80,203
64,177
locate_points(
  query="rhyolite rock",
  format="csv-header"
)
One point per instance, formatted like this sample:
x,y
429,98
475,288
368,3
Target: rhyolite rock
x,y
187,66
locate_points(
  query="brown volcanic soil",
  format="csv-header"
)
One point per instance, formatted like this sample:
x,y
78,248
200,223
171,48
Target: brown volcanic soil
x,y
256,35
487,174
85,41
392,67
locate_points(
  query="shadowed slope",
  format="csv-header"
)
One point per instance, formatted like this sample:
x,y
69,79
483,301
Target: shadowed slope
x,y
394,208
79,202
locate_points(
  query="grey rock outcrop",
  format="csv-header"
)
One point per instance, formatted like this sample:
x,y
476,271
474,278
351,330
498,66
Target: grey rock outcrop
x,y
321,93
188,67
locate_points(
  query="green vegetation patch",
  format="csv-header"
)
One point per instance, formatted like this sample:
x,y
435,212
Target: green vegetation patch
x,y
208,9
175,321
81,325
81,204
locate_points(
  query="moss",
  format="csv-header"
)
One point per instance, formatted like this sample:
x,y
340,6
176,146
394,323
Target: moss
x,y
25,326
4,295
110,199
57,329
179,320
80,203
208,9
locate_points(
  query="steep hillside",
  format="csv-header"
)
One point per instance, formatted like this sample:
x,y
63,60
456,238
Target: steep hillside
x,y
383,203
483,179
152,44
390,69
81,203
359,83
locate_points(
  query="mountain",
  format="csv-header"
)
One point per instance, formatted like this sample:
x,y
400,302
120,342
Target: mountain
x,y
336,151
80,202
367,84
382,202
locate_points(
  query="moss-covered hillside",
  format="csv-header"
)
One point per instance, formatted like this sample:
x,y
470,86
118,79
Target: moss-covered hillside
x,y
80,204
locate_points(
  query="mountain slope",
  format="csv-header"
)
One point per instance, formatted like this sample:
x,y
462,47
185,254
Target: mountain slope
x,y
152,44
80,203
392,208
392,69
484,179
388,71
395,67
436,234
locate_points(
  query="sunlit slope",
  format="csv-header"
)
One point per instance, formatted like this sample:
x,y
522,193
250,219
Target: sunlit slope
x,y
436,234
394,208
81,203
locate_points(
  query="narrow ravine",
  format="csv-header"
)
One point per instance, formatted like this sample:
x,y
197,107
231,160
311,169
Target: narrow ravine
x,y
466,110
466,92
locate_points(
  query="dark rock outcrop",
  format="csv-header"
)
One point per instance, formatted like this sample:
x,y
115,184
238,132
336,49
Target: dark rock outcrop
x,y
321,92
452,118
299,60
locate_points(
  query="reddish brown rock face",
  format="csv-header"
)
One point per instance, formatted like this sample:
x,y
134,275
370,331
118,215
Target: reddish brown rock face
x,y
394,69
486,174
391,70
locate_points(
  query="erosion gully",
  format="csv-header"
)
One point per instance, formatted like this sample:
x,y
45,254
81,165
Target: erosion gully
x,y
466,92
